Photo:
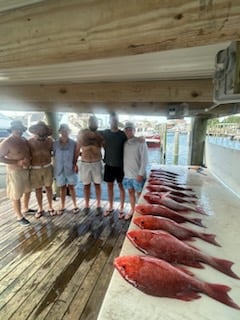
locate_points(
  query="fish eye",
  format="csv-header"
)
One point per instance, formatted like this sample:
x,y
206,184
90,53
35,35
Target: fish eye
x,y
142,223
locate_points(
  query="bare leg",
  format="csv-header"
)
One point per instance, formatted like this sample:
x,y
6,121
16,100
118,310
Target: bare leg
x,y
63,191
39,199
17,209
87,188
132,200
122,196
110,194
26,198
73,195
98,191
49,197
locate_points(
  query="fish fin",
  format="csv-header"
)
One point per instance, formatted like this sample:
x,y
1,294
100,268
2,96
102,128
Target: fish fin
x,y
189,296
219,293
195,264
183,269
195,248
200,210
196,221
223,266
209,238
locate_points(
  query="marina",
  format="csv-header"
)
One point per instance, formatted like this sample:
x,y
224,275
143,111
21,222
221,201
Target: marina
x,y
172,71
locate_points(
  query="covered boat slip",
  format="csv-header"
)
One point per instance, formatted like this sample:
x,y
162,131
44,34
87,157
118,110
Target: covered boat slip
x,y
59,267
123,301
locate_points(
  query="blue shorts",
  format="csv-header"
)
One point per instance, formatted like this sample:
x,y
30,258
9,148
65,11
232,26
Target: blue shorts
x,y
63,180
133,184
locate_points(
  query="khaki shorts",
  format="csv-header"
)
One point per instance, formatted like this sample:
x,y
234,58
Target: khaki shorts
x,y
42,177
18,182
91,172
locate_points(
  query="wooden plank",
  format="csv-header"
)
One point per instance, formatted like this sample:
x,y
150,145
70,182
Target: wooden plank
x,y
83,282
94,303
116,92
46,280
45,267
36,35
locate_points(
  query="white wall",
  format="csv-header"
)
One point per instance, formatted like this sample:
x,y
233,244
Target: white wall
x,y
224,163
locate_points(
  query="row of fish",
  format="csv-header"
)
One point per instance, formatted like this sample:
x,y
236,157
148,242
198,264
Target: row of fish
x,y
161,238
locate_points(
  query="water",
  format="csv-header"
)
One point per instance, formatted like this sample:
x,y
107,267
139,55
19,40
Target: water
x,y
224,141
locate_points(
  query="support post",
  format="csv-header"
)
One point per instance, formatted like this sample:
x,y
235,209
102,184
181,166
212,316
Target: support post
x,y
176,148
197,141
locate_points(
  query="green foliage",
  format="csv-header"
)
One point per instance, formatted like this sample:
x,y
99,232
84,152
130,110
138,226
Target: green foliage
x,y
232,119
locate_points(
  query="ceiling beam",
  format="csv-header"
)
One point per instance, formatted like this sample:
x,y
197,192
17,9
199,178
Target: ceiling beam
x,y
115,92
61,31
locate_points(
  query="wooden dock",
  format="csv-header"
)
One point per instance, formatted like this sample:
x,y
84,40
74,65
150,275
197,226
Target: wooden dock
x,y
59,267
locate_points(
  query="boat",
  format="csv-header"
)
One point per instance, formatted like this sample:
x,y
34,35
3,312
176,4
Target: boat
x,y
153,141
152,138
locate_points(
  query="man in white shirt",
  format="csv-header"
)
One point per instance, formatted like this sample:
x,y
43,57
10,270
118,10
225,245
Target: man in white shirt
x,y
135,161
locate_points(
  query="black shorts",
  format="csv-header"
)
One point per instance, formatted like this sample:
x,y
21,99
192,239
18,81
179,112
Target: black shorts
x,y
112,173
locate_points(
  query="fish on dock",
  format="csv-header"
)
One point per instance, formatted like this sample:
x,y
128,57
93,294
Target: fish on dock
x,y
163,245
169,184
177,230
159,278
180,193
163,211
157,198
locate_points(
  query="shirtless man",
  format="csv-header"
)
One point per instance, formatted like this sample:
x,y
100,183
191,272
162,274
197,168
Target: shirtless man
x,y
90,143
15,152
41,147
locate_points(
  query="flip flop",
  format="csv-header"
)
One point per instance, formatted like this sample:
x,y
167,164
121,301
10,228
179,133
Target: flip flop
x,y
39,214
60,212
30,211
76,210
128,216
108,212
98,211
121,214
52,212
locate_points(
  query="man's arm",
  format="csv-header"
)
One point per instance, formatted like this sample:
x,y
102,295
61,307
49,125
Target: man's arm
x,y
144,158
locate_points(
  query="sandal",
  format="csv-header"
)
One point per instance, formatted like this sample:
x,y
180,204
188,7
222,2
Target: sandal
x,y
29,211
121,214
76,210
108,212
60,212
98,211
39,214
86,211
128,216
52,212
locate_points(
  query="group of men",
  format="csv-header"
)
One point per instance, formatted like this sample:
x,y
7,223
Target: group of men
x,y
30,166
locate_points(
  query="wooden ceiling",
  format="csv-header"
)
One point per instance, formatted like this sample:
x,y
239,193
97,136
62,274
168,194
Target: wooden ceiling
x,y
138,57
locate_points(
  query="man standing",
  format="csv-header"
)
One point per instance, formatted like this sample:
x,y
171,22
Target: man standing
x,y
89,145
134,163
15,152
114,139
65,168
41,146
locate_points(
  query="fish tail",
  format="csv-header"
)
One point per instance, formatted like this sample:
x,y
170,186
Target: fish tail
x,y
196,221
219,293
200,210
223,266
209,238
